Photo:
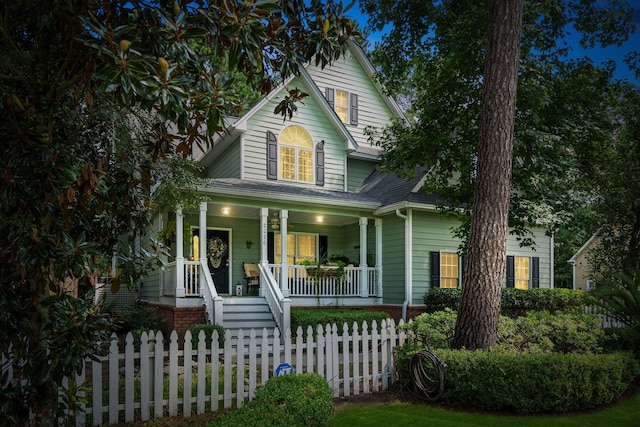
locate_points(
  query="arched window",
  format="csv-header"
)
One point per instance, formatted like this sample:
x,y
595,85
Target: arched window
x,y
296,154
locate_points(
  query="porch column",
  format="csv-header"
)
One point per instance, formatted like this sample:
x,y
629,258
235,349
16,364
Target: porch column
x,y
179,255
364,283
379,257
284,262
264,252
202,233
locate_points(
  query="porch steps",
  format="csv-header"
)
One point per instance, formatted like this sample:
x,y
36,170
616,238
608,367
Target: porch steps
x,y
247,313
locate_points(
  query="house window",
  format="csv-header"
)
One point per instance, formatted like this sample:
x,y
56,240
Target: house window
x,y
300,246
296,154
342,105
523,272
345,105
447,269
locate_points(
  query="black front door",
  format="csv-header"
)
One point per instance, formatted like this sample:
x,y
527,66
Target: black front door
x,y
218,259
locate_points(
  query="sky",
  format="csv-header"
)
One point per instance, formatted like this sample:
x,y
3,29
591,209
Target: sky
x,y
597,55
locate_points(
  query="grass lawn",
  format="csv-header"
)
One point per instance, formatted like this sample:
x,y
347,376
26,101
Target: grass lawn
x,y
624,414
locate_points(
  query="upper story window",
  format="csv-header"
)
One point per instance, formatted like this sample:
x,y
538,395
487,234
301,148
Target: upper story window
x,y
296,154
293,157
345,104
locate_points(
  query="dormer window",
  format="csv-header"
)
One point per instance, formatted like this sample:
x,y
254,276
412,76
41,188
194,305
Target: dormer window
x,y
345,105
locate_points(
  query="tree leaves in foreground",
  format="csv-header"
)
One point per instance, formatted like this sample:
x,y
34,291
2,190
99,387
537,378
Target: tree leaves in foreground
x,y
93,96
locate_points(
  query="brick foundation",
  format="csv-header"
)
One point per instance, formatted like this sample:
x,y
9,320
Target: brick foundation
x,y
179,318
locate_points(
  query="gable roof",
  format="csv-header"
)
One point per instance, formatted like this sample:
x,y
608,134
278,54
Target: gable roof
x,y
239,125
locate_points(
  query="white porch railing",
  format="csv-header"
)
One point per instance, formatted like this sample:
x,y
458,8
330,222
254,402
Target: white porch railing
x,y
305,281
212,301
279,305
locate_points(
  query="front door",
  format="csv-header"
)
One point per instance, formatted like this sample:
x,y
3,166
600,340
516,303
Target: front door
x,y
218,250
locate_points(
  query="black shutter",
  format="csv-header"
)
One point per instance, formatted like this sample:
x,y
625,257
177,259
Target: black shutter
x,y
323,246
435,269
320,163
463,267
271,247
330,95
535,272
272,156
354,109
511,271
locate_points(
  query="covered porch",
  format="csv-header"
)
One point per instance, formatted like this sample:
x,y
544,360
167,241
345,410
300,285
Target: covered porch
x,y
292,268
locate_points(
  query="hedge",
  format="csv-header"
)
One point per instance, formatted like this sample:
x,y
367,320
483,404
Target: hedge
x,y
289,400
515,302
532,383
208,332
314,317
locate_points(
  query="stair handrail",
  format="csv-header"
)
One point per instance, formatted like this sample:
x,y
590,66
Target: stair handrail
x,y
212,301
279,305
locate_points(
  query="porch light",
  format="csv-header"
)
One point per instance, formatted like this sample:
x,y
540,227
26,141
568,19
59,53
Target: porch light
x,y
226,211
319,219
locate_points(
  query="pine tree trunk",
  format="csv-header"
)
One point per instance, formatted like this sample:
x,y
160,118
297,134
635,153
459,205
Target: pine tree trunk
x,y
479,310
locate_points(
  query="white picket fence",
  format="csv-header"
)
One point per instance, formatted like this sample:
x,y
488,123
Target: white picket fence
x,y
606,320
139,382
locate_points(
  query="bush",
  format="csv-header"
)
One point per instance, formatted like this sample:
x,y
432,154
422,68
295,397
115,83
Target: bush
x,y
531,383
537,332
620,339
305,318
542,332
208,332
289,400
438,328
515,302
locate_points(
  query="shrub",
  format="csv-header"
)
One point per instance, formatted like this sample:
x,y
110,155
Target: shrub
x,y
289,400
537,332
438,328
208,332
540,332
305,318
515,302
142,319
620,339
530,383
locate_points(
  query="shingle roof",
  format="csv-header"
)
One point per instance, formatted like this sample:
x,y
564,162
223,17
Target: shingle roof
x,y
388,188
377,191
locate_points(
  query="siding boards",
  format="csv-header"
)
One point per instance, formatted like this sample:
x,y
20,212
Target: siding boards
x,y
393,257
347,75
358,171
227,165
313,120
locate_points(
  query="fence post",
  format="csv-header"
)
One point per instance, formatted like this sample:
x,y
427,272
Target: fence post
x,y
356,359
158,376
187,362
146,375
129,399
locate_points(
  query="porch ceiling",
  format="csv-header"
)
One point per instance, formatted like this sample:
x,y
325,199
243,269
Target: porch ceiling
x,y
298,217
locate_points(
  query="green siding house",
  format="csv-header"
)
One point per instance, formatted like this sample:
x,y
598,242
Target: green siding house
x,y
283,195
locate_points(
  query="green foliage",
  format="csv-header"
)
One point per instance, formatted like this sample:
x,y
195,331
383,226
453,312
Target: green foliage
x,y
620,339
303,318
541,332
536,332
515,301
288,400
208,332
73,331
437,328
620,296
440,48
99,101
533,383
